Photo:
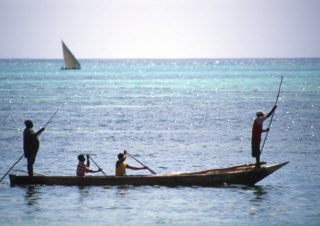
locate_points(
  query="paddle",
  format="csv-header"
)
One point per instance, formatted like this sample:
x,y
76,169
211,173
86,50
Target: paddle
x,y
23,154
151,171
97,165
265,138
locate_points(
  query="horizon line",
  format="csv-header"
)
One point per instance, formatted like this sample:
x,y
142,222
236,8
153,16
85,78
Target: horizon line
x,y
161,58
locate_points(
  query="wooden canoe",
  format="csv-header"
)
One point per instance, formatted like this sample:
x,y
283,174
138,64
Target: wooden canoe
x,y
246,174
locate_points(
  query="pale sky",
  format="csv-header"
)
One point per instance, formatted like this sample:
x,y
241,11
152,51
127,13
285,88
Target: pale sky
x,y
160,28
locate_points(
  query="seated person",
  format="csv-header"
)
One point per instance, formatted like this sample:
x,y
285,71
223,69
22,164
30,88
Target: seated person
x,y
83,168
121,165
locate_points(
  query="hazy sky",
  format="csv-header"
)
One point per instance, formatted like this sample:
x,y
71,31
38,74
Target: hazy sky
x,y
160,28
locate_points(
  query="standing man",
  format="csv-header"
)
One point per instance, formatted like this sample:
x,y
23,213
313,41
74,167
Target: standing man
x,y
257,130
30,144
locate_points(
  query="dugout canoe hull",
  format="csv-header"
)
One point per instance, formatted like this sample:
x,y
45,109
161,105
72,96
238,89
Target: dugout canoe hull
x,y
243,174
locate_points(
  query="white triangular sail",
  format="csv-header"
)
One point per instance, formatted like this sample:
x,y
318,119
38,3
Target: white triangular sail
x,y
70,62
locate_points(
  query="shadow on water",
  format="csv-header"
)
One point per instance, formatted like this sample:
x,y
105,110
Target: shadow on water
x,y
32,195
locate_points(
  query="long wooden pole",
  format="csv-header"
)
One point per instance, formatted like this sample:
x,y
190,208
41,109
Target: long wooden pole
x,y
151,171
51,118
11,167
265,138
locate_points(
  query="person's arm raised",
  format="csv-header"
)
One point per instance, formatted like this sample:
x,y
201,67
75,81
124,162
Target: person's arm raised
x,y
271,112
40,131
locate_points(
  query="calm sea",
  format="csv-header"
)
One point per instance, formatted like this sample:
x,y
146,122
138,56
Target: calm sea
x,y
173,115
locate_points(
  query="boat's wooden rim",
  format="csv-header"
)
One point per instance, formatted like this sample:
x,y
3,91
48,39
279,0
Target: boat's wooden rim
x,y
229,170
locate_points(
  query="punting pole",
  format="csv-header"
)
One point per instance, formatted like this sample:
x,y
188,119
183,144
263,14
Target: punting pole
x,y
51,118
11,167
265,138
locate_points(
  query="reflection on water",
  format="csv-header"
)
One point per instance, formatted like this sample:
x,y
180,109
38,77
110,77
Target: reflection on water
x,y
259,192
122,190
258,200
32,195
83,190
84,194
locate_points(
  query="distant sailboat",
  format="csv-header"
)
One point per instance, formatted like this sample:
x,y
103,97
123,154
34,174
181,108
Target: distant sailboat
x,y
70,62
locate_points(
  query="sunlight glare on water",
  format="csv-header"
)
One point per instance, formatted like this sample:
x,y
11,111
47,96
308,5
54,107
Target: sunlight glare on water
x,y
173,115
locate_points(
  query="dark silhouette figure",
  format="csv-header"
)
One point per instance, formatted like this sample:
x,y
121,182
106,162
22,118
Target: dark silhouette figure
x,y
30,144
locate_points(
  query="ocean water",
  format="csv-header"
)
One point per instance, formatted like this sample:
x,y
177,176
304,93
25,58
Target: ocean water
x,y
173,115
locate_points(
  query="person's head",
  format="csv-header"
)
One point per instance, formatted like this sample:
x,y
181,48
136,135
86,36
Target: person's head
x,y
28,124
81,158
121,156
260,114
